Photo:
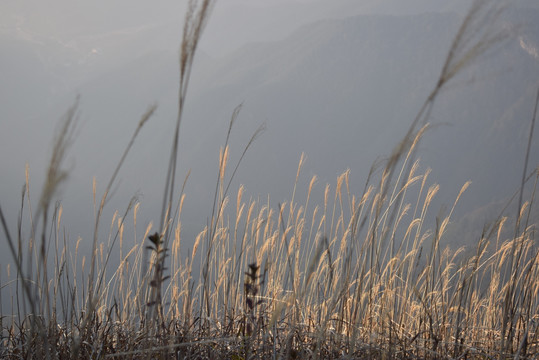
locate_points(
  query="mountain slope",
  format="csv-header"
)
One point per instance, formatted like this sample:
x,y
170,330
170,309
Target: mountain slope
x,y
343,91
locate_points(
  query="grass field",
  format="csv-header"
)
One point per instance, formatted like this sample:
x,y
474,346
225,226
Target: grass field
x,y
357,276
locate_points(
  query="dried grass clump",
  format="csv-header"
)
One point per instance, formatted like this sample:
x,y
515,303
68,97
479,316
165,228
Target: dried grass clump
x,y
357,276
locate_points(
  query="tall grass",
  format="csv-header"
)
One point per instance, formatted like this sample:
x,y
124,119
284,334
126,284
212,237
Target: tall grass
x,y
359,275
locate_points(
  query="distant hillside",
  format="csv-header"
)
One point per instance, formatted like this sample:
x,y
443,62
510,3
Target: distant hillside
x,y
343,91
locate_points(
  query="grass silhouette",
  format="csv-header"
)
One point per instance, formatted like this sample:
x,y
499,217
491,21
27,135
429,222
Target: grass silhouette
x,y
357,276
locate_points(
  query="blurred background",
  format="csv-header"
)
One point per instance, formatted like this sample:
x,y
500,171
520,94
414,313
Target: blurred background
x,y
340,81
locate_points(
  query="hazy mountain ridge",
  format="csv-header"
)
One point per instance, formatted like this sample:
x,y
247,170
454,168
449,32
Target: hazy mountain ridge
x,y
480,106
343,91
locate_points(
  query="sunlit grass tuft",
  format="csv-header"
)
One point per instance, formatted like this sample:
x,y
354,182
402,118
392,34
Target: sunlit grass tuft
x,y
360,275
